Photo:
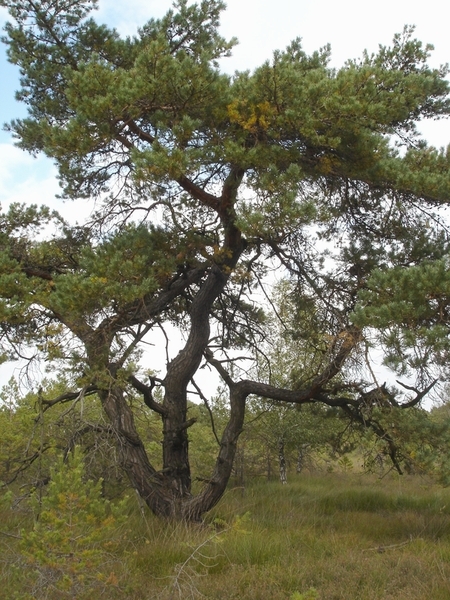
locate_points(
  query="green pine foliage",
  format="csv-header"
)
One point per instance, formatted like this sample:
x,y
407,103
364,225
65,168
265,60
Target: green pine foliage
x,y
69,551
409,307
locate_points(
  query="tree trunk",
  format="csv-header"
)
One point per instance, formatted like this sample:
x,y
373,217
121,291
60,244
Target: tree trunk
x,y
216,486
168,493
269,466
301,455
282,461
151,485
179,373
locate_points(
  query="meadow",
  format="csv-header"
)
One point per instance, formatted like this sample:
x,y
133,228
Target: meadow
x,y
334,536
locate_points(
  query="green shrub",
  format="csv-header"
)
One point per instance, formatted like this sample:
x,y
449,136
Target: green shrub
x,y
75,532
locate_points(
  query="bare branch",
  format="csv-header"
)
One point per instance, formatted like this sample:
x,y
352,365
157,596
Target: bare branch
x,y
208,408
68,396
146,391
419,394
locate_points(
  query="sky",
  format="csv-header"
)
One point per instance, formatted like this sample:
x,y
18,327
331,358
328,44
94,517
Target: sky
x,y
350,26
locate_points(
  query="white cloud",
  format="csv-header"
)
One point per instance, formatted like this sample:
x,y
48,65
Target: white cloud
x,y
29,180
22,176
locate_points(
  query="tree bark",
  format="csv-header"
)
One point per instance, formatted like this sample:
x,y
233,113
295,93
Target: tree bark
x,y
301,455
282,461
162,491
216,486
150,484
168,492
179,373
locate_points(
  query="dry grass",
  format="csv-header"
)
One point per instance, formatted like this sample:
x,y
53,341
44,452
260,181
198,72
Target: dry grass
x,y
346,536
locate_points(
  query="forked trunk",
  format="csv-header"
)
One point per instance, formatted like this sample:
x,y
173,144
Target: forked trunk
x,y
167,493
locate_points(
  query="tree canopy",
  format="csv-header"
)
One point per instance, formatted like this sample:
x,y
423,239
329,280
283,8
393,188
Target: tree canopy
x,y
206,188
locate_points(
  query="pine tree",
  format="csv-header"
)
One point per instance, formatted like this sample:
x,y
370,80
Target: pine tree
x,y
75,531
203,184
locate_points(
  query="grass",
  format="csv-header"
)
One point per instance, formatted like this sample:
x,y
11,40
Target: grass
x,y
333,537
